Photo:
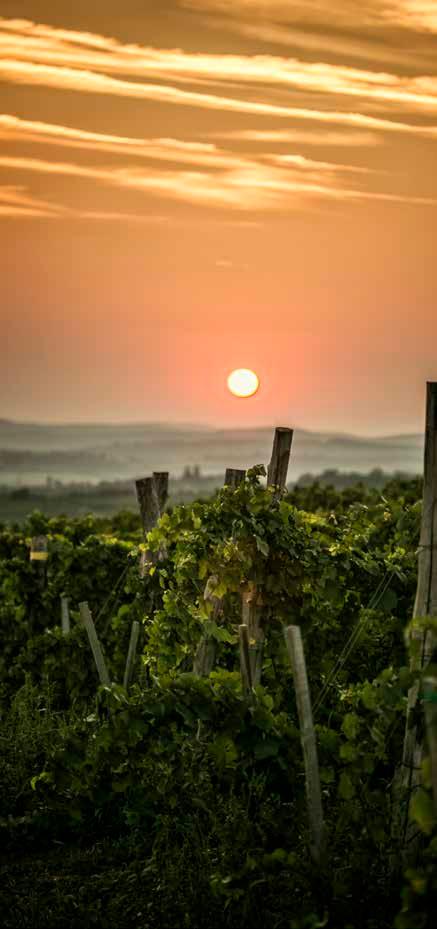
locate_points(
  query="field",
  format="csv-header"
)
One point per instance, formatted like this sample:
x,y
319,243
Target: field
x,y
180,799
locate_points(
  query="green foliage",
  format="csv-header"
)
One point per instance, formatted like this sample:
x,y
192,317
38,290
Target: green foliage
x,y
201,787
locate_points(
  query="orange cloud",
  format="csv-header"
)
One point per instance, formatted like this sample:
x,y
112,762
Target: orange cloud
x,y
87,82
72,60
255,186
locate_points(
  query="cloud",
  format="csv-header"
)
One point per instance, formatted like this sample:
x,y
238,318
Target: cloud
x,y
410,14
47,56
172,150
256,186
254,174
417,14
70,79
16,201
302,136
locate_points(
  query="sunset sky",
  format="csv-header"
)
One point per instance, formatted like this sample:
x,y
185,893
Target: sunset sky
x,y
192,186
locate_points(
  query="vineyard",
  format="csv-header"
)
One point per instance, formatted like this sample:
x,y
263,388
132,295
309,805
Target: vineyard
x,y
188,788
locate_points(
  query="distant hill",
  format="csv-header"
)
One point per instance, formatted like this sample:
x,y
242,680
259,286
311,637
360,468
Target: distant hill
x,y
29,453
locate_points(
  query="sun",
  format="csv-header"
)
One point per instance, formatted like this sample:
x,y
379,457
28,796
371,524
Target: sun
x,y
243,382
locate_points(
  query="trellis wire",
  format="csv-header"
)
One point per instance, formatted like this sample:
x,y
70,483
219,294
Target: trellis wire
x,y
352,640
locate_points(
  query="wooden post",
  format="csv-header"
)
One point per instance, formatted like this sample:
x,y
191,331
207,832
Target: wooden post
x,y
38,556
234,477
85,615
246,675
293,639
430,706
65,615
252,616
148,502
206,651
131,655
278,467
425,605
205,656
161,483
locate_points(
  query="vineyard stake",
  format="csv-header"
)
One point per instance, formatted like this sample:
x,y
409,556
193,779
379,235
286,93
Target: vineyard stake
x,y
425,605
148,502
85,615
296,654
65,615
246,676
234,477
161,479
278,467
131,655
206,651
150,510
251,616
39,555
430,705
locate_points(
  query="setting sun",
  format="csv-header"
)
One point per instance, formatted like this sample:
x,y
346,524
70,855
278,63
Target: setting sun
x,y
243,382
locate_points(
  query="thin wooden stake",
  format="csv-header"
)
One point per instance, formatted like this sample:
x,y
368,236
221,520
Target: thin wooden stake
x,y
293,639
425,605
430,706
161,479
252,617
278,467
206,652
234,477
85,615
131,655
38,556
246,675
65,615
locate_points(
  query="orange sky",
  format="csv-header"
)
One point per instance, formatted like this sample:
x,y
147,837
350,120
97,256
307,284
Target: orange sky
x,y
189,186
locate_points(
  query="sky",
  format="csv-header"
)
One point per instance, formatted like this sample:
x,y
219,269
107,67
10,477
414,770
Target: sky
x,y
192,186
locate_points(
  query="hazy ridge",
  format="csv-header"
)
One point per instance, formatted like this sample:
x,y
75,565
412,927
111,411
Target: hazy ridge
x,y
29,453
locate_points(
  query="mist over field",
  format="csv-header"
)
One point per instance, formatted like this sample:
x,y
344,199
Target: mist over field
x,y
31,453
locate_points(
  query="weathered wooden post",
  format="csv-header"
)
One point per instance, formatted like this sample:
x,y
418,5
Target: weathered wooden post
x,y
151,493
293,639
430,705
246,675
148,502
38,556
234,477
161,479
131,655
85,615
278,467
252,617
206,651
65,615
252,605
423,640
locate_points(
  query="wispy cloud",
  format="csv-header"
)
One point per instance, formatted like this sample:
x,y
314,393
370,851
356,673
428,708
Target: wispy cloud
x,y
16,201
256,186
172,150
57,58
302,137
417,14
70,79
254,172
